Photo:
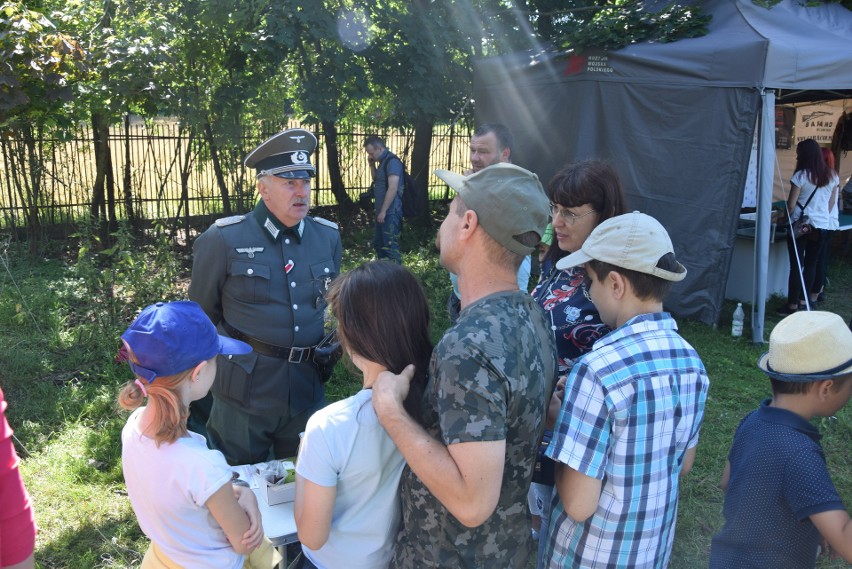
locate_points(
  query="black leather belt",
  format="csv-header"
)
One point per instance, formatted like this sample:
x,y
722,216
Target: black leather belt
x,y
293,355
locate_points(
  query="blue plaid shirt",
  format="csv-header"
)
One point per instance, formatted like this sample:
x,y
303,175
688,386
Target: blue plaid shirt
x,y
632,408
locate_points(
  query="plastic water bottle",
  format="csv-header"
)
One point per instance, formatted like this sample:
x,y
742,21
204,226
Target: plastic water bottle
x,y
738,321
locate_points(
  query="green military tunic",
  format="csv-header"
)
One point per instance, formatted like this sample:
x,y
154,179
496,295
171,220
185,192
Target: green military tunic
x,y
268,282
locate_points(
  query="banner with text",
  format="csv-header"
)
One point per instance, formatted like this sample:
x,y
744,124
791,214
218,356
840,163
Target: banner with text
x,y
817,122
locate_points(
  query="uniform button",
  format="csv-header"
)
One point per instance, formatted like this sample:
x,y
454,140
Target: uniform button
x,y
286,241
293,285
295,307
250,271
326,270
295,328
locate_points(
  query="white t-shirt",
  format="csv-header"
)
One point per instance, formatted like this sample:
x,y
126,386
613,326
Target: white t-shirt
x,y
345,446
834,215
168,487
817,209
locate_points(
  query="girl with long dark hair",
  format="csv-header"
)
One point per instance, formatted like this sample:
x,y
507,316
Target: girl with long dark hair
x,y
811,189
348,470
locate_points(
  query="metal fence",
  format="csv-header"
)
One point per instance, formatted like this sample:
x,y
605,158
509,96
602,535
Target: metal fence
x,y
165,158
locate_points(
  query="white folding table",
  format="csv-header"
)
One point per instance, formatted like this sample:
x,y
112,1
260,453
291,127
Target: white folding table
x,y
279,523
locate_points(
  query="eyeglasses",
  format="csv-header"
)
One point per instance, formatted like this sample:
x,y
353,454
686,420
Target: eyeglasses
x,y
556,209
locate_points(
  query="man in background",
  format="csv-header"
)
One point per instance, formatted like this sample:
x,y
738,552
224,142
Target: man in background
x,y
490,144
387,171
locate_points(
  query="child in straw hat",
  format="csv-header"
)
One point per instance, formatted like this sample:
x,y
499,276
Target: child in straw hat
x,y
779,498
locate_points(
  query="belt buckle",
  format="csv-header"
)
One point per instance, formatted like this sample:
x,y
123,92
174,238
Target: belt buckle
x,y
301,353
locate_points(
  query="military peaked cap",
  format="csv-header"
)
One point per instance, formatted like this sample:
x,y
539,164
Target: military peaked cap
x,y
286,155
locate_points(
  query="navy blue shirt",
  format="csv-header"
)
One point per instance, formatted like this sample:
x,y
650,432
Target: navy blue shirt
x,y
778,479
385,171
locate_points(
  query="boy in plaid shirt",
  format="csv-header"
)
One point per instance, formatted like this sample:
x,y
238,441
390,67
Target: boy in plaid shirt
x,y
632,408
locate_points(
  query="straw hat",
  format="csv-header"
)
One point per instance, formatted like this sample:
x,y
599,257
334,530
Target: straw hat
x,y
808,346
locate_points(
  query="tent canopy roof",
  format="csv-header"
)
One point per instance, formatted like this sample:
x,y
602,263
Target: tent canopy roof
x,y
677,120
789,47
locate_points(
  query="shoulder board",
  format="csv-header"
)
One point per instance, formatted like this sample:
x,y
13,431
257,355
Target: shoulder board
x,y
325,222
226,221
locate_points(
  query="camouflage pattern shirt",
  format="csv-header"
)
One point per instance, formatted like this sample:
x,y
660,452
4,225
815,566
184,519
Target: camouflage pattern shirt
x,y
489,378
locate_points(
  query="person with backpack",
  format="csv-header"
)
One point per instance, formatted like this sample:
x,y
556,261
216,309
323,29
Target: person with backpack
x,y
388,187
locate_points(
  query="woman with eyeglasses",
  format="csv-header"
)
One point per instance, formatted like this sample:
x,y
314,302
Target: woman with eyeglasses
x,y
582,195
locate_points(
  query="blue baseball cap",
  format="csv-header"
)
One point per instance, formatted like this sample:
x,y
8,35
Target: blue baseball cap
x,y
171,337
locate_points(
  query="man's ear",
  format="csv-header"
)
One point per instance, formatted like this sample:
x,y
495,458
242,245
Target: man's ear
x,y
262,187
505,155
469,223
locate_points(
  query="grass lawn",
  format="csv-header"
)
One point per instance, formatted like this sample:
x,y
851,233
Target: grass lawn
x,y
60,318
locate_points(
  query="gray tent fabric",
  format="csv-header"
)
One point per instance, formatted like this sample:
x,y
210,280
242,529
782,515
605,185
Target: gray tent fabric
x,y
676,120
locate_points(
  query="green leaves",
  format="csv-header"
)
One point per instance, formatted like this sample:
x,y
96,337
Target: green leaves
x,y
37,64
619,23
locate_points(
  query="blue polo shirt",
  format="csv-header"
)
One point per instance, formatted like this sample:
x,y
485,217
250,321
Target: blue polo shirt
x,y
394,168
778,479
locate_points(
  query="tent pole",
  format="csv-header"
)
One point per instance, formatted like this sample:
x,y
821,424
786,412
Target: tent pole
x,y
766,162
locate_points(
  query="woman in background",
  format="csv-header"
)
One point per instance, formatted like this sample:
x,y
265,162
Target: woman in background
x,y
813,184
821,278
582,195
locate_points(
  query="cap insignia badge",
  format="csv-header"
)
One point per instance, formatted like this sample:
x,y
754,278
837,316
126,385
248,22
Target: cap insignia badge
x,y
299,158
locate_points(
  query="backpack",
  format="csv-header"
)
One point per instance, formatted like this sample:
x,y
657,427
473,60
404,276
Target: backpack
x,y
410,195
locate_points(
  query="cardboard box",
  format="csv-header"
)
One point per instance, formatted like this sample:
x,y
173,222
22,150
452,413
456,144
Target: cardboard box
x,y
276,493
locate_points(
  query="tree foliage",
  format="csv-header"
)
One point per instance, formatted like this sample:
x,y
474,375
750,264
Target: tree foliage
x,y
38,65
618,23
221,66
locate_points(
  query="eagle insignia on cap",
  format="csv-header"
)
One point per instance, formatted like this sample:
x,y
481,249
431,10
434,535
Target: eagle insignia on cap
x,y
286,155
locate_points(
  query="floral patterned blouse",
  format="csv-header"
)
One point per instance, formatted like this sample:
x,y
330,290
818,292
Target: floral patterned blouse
x,y
564,295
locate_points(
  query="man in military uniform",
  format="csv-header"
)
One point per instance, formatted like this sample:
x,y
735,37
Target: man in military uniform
x,y
464,491
262,278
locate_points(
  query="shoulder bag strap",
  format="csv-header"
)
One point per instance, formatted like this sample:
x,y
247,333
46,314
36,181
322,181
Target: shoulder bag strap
x,y
813,193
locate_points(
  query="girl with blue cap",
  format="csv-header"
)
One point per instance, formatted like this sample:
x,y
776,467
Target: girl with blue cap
x,y
180,490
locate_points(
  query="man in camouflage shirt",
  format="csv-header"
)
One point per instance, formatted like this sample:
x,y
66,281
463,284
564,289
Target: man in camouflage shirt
x,y
464,489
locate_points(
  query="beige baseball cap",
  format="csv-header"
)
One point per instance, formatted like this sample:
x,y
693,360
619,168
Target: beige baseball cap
x,y
634,241
508,200
808,346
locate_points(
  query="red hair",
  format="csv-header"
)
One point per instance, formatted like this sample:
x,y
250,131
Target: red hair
x,y
169,414
829,158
